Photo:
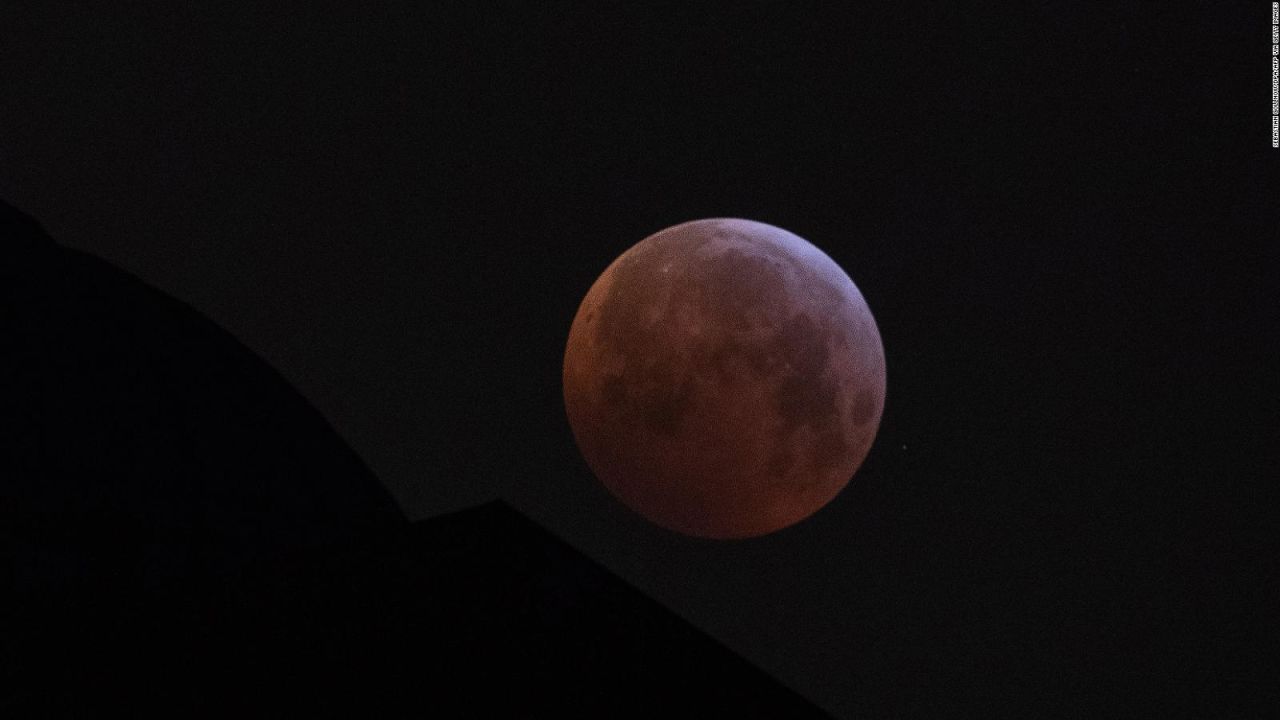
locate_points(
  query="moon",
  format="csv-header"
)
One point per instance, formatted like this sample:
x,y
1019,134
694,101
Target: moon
x,y
724,378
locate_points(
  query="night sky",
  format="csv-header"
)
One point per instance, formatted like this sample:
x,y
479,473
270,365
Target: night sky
x,y
1064,219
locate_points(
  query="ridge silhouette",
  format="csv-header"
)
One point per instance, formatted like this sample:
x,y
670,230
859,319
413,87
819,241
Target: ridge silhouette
x,y
183,534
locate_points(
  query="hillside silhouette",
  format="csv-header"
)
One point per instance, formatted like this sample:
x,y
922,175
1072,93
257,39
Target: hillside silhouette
x,y
183,534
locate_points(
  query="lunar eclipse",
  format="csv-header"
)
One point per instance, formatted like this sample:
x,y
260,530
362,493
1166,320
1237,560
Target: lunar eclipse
x,y
724,378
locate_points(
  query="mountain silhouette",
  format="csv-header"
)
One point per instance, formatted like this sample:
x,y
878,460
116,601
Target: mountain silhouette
x,y
134,421
183,534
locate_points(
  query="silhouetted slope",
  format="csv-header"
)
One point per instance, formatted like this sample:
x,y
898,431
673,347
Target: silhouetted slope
x,y
477,614
184,536
485,608
141,443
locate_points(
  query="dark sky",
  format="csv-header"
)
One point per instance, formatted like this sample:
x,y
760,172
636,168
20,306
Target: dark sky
x,y
1064,220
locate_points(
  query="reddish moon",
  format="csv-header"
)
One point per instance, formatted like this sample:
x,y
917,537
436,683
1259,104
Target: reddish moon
x,y
724,378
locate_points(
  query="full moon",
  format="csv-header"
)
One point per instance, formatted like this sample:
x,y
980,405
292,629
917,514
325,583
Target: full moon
x,y
724,378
